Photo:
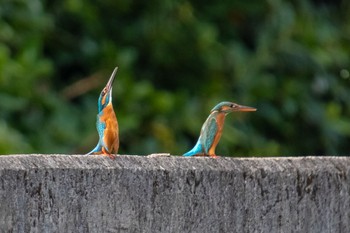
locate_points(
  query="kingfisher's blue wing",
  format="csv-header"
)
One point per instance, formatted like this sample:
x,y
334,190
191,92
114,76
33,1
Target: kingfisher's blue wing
x,y
206,138
100,127
208,132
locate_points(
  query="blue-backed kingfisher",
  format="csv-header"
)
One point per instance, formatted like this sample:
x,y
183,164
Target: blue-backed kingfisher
x,y
212,128
107,124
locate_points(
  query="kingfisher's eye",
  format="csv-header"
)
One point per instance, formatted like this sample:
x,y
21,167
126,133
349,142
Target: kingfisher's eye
x,y
232,105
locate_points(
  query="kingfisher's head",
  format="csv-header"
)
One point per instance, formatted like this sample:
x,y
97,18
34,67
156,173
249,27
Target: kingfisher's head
x,y
106,94
227,107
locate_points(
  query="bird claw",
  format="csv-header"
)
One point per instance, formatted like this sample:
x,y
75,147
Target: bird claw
x,y
214,156
111,156
106,153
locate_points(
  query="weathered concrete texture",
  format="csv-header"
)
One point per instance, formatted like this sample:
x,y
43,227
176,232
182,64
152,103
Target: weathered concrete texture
x,y
61,193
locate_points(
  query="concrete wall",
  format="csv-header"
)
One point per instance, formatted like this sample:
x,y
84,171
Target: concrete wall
x,y
66,193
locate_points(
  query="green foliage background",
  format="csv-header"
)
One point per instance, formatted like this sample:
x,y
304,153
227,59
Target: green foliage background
x,y
176,59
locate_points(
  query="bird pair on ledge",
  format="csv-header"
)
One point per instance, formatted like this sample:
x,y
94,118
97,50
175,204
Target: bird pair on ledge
x,y
108,130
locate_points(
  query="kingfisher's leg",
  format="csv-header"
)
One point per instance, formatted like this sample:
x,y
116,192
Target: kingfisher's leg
x,y
212,153
104,152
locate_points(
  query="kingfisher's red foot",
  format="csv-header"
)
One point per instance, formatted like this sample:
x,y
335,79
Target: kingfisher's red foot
x,y
111,156
214,156
106,153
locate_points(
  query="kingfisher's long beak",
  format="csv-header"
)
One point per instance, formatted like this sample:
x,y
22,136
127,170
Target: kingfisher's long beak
x,y
111,80
241,108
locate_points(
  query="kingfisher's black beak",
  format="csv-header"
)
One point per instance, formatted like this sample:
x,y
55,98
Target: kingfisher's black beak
x,y
111,80
241,108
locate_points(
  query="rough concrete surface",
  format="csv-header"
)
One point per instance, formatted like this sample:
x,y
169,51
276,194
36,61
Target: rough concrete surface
x,y
73,193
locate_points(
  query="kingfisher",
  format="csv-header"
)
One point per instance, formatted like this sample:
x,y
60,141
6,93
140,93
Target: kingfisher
x,y
212,128
107,124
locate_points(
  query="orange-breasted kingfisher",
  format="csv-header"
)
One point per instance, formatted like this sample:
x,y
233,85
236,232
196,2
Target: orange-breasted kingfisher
x,y
212,128
107,124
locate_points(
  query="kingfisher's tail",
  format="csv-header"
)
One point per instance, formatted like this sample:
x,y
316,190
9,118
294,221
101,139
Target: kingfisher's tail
x,y
98,148
197,149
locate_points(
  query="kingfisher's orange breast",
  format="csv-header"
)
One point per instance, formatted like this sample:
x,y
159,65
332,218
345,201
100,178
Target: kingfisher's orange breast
x,y
220,119
111,132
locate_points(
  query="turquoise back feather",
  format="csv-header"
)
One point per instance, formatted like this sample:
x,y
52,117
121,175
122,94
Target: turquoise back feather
x,y
206,138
